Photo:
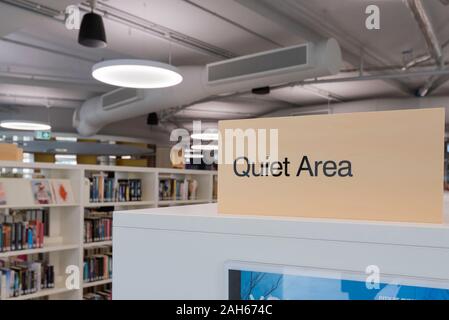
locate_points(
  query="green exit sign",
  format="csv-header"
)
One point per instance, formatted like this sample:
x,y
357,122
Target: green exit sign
x,y
43,135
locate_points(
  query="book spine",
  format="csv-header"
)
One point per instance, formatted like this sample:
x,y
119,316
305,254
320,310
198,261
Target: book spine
x,y
1,238
13,237
30,238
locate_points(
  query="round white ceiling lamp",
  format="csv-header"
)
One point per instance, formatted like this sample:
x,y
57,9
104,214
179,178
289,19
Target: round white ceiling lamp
x,y
205,136
25,125
207,147
139,74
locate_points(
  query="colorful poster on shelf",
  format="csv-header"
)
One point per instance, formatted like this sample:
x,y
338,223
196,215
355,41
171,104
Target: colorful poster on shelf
x,y
2,195
41,192
62,189
256,285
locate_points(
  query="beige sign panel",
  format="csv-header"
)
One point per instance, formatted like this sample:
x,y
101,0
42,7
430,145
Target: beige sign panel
x,y
384,166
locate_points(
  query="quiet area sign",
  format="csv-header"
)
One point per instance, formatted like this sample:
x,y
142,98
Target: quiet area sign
x,y
385,166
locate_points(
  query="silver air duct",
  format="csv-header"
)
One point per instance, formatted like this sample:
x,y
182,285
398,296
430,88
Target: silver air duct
x,y
241,74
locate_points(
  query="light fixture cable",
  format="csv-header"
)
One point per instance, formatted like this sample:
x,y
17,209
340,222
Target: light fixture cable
x,y
93,5
169,48
48,106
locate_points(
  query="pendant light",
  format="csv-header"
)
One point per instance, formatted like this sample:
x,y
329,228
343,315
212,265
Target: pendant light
x,y
134,73
92,33
137,73
25,125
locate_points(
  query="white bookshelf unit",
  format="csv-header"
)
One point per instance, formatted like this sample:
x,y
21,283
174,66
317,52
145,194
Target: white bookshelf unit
x,y
65,242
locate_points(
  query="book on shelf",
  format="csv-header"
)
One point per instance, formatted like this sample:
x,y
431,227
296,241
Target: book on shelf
x,y
11,174
105,188
97,226
97,264
129,190
177,189
101,188
3,200
18,278
93,293
23,230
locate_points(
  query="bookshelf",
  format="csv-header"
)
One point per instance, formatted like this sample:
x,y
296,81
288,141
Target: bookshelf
x,y
64,245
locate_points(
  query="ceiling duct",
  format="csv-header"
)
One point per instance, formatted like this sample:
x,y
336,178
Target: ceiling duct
x,y
261,70
120,97
260,64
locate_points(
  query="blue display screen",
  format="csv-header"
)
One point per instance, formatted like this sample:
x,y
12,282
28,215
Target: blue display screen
x,y
250,285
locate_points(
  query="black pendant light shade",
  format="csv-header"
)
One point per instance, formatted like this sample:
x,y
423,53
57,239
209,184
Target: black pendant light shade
x,y
92,33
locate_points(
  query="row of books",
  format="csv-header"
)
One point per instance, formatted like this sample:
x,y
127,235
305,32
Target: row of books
x,y
108,189
97,264
23,230
98,294
97,227
22,278
177,189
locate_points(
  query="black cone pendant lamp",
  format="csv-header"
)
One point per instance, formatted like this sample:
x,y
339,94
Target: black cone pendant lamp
x,y
92,33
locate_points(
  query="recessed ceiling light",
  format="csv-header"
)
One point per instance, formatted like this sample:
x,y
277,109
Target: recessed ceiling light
x,y
207,147
139,74
205,136
25,125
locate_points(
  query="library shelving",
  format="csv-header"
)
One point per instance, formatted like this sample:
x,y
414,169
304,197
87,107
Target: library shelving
x,y
64,245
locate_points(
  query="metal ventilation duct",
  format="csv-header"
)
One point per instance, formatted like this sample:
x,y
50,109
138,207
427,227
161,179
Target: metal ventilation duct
x,y
261,70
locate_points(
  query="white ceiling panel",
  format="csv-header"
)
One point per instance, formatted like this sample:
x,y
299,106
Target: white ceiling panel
x,y
185,18
252,21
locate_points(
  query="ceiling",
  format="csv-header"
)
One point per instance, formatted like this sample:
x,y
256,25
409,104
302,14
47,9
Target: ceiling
x,y
42,65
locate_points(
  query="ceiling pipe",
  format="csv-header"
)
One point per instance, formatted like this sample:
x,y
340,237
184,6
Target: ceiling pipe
x,y
325,59
423,58
436,52
368,105
373,77
34,7
419,13
417,61
29,100
50,81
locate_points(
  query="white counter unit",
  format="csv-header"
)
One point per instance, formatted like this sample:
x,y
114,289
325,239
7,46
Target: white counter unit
x,y
181,252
